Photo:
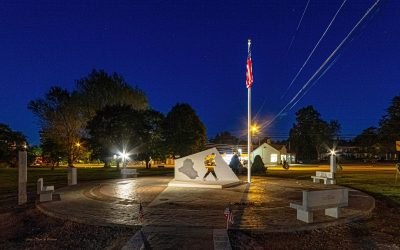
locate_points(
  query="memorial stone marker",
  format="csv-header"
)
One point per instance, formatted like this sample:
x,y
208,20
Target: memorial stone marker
x,y
72,176
22,177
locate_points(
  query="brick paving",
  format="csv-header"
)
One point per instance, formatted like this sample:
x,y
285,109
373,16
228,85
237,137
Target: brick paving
x,y
192,213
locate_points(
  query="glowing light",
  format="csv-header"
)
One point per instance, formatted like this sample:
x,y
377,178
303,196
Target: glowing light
x,y
124,155
77,144
333,152
254,129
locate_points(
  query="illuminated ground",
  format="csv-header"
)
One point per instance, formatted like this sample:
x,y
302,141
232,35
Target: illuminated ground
x,y
265,205
115,202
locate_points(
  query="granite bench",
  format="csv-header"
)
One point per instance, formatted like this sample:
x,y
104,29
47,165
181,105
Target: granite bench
x,y
328,177
331,200
45,192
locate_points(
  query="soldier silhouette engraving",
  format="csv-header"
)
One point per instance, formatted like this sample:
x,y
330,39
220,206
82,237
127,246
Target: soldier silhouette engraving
x,y
210,165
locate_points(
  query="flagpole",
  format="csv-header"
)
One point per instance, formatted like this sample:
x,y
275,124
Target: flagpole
x,y
249,125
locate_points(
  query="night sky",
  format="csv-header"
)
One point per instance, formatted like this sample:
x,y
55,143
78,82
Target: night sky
x,y
195,52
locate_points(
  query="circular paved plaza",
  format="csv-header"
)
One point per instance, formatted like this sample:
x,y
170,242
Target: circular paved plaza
x,y
263,205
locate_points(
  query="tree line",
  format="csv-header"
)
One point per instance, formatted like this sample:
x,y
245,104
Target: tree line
x,y
105,115
311,135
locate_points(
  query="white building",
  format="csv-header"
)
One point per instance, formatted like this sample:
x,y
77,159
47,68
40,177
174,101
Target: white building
x,y
273,154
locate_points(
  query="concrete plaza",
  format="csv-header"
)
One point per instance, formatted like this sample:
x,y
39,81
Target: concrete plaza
x,y
264,205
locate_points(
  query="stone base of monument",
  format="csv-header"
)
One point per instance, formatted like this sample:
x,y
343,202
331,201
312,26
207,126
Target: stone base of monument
x,y
204,184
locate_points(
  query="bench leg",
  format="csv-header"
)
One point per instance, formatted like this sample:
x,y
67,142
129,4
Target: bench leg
x,y
315,180
46,197
333,212
305,216
330,181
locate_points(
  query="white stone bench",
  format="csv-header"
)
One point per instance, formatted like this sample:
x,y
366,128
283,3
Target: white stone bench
x,y
45,192
328,177
129,171
330,200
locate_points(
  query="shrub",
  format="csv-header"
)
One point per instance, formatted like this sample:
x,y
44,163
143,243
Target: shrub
x,y
257,168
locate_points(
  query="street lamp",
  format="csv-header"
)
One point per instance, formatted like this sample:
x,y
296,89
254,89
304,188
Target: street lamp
x,y
124,156
255,131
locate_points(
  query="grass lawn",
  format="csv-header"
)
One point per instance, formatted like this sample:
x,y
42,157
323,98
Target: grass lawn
x,y
58,177
376,182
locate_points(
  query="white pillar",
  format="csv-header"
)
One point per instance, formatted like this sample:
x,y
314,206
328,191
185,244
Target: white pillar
x,y
72,176
22,177
333,163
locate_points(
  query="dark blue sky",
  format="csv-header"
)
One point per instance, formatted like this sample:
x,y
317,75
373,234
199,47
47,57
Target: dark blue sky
x,y
195,52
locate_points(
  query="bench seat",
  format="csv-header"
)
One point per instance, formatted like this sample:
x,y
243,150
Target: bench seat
x,y
330,200
326,180
328,177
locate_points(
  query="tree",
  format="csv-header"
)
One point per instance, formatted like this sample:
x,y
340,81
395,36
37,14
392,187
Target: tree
x,y
389,130
113,130
63,115
100,89
225,137
310,134
153,146
60,120
52,151
185,133
10,142
120,128
367,139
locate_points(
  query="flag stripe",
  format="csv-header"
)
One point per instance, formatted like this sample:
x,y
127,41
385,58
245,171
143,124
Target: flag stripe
x,y
249,73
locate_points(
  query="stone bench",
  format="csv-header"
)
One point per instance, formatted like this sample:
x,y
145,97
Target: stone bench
x,y
328,177
129,171
330,200
45,192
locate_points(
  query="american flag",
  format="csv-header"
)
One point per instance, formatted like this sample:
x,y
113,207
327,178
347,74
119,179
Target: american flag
x,y
228,215
141,213
249,72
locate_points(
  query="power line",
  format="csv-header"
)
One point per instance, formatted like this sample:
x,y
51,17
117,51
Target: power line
x,y
297,29
315,47
324,63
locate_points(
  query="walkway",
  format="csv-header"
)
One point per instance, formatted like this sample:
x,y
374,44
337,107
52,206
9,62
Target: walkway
x,y
185,211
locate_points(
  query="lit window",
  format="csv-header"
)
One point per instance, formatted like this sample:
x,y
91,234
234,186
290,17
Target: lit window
x,y
274,157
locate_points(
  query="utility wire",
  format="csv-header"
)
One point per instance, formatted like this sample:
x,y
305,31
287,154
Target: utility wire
x,y
297,29
325,62
315,47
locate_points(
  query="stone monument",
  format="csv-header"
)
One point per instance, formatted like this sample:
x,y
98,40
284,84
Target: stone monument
x,y
22,177
191,171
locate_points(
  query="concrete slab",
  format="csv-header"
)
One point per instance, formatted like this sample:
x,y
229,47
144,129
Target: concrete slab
x,y
204,184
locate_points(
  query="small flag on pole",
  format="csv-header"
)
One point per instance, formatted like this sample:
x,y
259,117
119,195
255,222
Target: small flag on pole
x,y
228,216
249,72
141,213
